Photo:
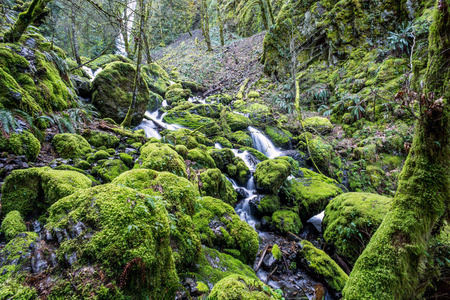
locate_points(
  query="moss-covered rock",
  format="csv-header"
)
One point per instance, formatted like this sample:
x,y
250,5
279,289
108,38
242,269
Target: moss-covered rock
x,y
240,287
33,190
102,154
222,157
271,174
207,110
157,79
286,221
237,121
12,225
70,145
280,137
216,185
15,258
205,125
242,172
323,266
241,138
83,165
161,157
110,169
214,266
311,193
127,159
176,93
351,219
98,139
259,156
268,205
190,139
24,143
112,91
318,125
123,226
219,226
201,158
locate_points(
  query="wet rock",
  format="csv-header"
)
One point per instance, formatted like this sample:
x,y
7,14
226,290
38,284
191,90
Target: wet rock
x,y
216,226
37,226
77,229
241,194
72,258
269,262
81,85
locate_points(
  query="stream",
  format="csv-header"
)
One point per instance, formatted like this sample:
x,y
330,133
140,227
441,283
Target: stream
x,y
295,282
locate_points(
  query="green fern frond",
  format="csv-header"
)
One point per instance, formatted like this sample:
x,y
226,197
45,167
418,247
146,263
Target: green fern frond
x,y
7,121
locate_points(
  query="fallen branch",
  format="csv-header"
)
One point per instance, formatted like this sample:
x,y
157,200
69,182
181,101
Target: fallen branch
x,y
262,257
271,273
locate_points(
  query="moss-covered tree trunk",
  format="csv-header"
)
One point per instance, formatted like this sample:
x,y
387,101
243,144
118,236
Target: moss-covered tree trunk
x,y
205,23
394,262
137,76
24,20
263,15
222,41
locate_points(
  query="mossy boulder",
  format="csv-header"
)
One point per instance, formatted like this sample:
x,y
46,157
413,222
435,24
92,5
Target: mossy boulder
x,y
242,172
310,193
24,143
271,174
286,221
259,156
222,157
161,157
12,225
207,110
216,185
70,145
323,266
318,125
110,169
157,79
237,121
175,94
214,266
98,139
33,190
240,287
219,226
102,154
112,92
268,205
351,219
127,159
205,125
123,226
279,136
241,138
104,60
201,158
179,197
189,138
15,258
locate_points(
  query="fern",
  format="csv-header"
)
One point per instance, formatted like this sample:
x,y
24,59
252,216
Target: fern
x,y
325,109
7,121
60,63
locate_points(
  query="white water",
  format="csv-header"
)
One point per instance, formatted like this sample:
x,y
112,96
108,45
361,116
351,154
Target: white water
x,y
263,144
120,44
91,73
218,146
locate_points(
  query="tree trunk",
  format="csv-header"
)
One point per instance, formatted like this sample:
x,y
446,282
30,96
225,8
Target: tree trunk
x,y
74,36
124,27
222,41
395,260
137,77
24,20
206,25
272,19
263,14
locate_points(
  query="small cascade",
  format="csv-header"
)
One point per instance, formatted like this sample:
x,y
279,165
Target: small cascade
x,y
218,146
263,144
91,73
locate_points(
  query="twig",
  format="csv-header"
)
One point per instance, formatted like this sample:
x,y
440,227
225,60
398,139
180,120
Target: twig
x,y
271,273
262,257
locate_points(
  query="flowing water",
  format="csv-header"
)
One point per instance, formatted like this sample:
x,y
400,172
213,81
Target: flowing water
x,y
297,284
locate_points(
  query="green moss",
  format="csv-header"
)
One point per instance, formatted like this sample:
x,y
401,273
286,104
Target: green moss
x,y
311,193
201,158
351,219
12,225
182,150
83,165
70,145
276,252
214,266
239,287
321,264
202,287
241,138
280,137
237,121
102,154
110,169
231,233
70,168
318,125
157,79
33,190
260,156
286,221
161,157
15,257
175,93
190,139
216,185
23,143
103,60
127,159
124,226
98,139
222,157
253,94
271,174
112,91
224,142
204,124
268,205
14,289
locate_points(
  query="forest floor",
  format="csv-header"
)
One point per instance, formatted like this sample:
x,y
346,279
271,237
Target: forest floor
x,y
224,69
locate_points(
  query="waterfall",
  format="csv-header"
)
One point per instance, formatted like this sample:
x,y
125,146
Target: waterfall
x,y
120,44
263,144
91,73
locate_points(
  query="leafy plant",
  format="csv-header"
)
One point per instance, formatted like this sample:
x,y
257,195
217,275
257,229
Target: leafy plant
x,y
401,41
357,109
60,63
7,121
325,109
